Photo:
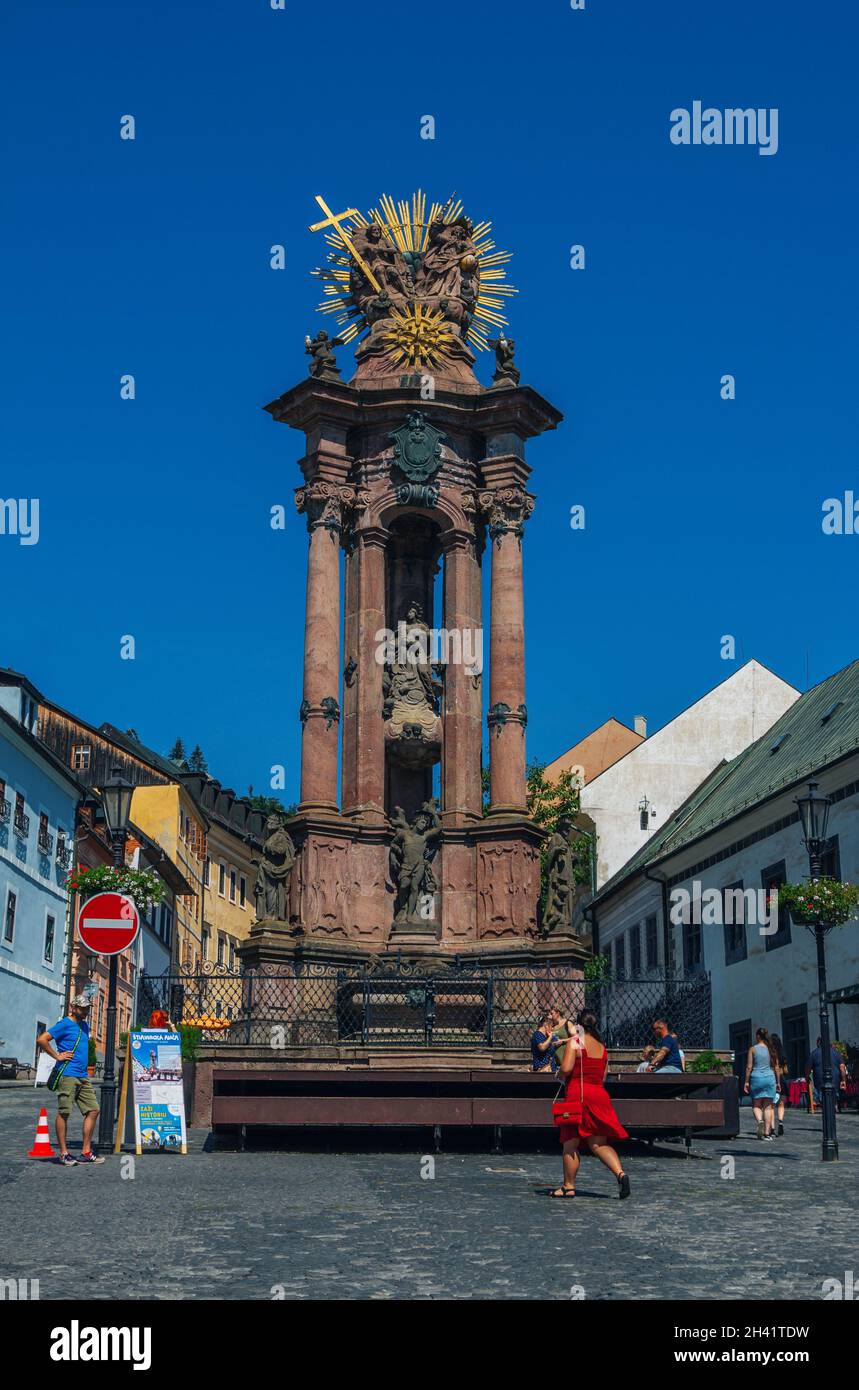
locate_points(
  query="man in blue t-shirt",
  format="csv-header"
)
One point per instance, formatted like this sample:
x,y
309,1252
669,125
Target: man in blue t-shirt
x,y
814,1070
667,1056
68,1043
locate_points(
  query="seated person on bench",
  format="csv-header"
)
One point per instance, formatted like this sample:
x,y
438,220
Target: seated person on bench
x,y
667,1057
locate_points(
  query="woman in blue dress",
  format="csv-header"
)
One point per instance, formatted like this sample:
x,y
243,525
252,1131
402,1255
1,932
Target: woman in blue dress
x,y
761,1082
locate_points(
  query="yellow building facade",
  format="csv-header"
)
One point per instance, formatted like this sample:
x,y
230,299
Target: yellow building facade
x,y
171,816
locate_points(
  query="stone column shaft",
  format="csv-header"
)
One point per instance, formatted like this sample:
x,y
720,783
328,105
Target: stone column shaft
x,y
507,509
461,793
364,758
320,708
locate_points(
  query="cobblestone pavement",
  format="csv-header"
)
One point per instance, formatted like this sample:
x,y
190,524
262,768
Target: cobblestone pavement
x,y
234,1225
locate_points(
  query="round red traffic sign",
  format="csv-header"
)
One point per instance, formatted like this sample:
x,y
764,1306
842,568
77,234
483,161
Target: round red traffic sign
x,y
108,923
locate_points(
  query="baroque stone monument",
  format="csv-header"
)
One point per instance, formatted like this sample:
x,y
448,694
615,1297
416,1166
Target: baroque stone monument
x,y
415,479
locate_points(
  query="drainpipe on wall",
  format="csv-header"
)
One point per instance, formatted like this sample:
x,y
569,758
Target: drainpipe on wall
x,y
590,913
667,944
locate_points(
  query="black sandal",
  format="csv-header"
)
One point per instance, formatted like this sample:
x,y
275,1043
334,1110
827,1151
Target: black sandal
x,y
563,1191
623,1184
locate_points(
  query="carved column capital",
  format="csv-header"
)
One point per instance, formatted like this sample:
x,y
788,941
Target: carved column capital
x,y
506,510
329,505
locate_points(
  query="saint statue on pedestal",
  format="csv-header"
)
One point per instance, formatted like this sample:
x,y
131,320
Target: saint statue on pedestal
x,y
274,872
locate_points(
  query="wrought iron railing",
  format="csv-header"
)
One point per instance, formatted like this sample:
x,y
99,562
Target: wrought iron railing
x,y
45,842
22,824
5,809
322,1005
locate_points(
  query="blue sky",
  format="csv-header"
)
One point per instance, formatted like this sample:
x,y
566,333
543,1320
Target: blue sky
x,y
152,257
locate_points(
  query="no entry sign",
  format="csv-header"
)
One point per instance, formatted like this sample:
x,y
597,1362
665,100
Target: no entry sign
x,y
108,923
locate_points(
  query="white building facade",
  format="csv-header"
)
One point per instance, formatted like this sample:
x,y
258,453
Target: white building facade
x,y
635,797
740,831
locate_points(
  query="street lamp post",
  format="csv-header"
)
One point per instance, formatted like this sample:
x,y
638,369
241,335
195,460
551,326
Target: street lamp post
x,y
814,818
116,797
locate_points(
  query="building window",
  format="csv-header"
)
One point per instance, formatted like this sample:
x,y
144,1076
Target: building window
x,y
22,821
619,959
222,879
734,920
232,955
9,927
233,877
221,945
635,950
794,1035
50,933
651,943
739,1041
207,871
771,879
206,938
81,753
830,863
693,954
243,891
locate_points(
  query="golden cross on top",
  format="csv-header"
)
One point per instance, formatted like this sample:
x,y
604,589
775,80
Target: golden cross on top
x,y
334,220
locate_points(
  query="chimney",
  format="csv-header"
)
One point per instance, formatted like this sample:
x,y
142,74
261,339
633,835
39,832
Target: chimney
x,y
640,723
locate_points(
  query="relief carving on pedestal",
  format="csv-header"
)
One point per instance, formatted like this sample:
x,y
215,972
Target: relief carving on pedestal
x,y
508,884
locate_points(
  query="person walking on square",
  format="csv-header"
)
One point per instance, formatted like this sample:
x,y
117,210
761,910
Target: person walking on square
x,y
67,1041
761,1083
583,1064
782,1076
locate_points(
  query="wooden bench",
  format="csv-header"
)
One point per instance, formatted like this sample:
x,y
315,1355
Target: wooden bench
x,y
337,1098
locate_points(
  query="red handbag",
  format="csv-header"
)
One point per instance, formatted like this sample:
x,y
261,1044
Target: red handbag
x,y
569,1111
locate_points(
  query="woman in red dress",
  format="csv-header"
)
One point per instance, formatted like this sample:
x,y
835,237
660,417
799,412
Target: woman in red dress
x,y
583,1064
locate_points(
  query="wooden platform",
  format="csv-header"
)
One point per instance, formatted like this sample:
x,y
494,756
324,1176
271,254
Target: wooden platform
x,y
340,1098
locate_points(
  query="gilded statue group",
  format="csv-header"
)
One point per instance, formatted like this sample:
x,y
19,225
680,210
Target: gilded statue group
x,y
445,276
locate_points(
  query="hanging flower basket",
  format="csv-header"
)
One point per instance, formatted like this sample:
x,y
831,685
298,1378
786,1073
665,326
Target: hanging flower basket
x,y
825,900
142,886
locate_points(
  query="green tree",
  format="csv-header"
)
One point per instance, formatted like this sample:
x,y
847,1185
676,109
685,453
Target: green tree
x,y
177,752
272,806
197,762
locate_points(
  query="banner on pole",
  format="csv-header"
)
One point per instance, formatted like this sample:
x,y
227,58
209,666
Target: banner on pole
x,y
159,1098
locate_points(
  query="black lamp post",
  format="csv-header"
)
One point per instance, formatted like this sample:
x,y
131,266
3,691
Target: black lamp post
x,y
116,797
814,818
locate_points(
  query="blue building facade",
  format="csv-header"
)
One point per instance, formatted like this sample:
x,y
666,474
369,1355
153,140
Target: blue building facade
x,y
38,810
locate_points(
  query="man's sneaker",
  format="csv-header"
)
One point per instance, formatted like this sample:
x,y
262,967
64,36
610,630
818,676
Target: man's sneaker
x,y
780,1129
67,1161
90,1158
769,1138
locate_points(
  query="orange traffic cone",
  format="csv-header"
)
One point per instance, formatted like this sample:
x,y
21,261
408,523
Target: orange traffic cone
x,y
42,1143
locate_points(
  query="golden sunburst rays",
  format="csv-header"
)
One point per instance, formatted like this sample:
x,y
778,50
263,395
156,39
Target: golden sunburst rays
x,y
406,226
420,337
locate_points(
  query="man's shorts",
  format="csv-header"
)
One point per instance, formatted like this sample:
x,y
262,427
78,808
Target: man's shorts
x,y
78,1089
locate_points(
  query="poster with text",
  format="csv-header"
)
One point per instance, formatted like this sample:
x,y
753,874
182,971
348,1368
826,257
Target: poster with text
x,y
158,1096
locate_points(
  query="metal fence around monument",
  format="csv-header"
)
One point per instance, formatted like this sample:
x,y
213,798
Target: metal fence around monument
x,y
325,1006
